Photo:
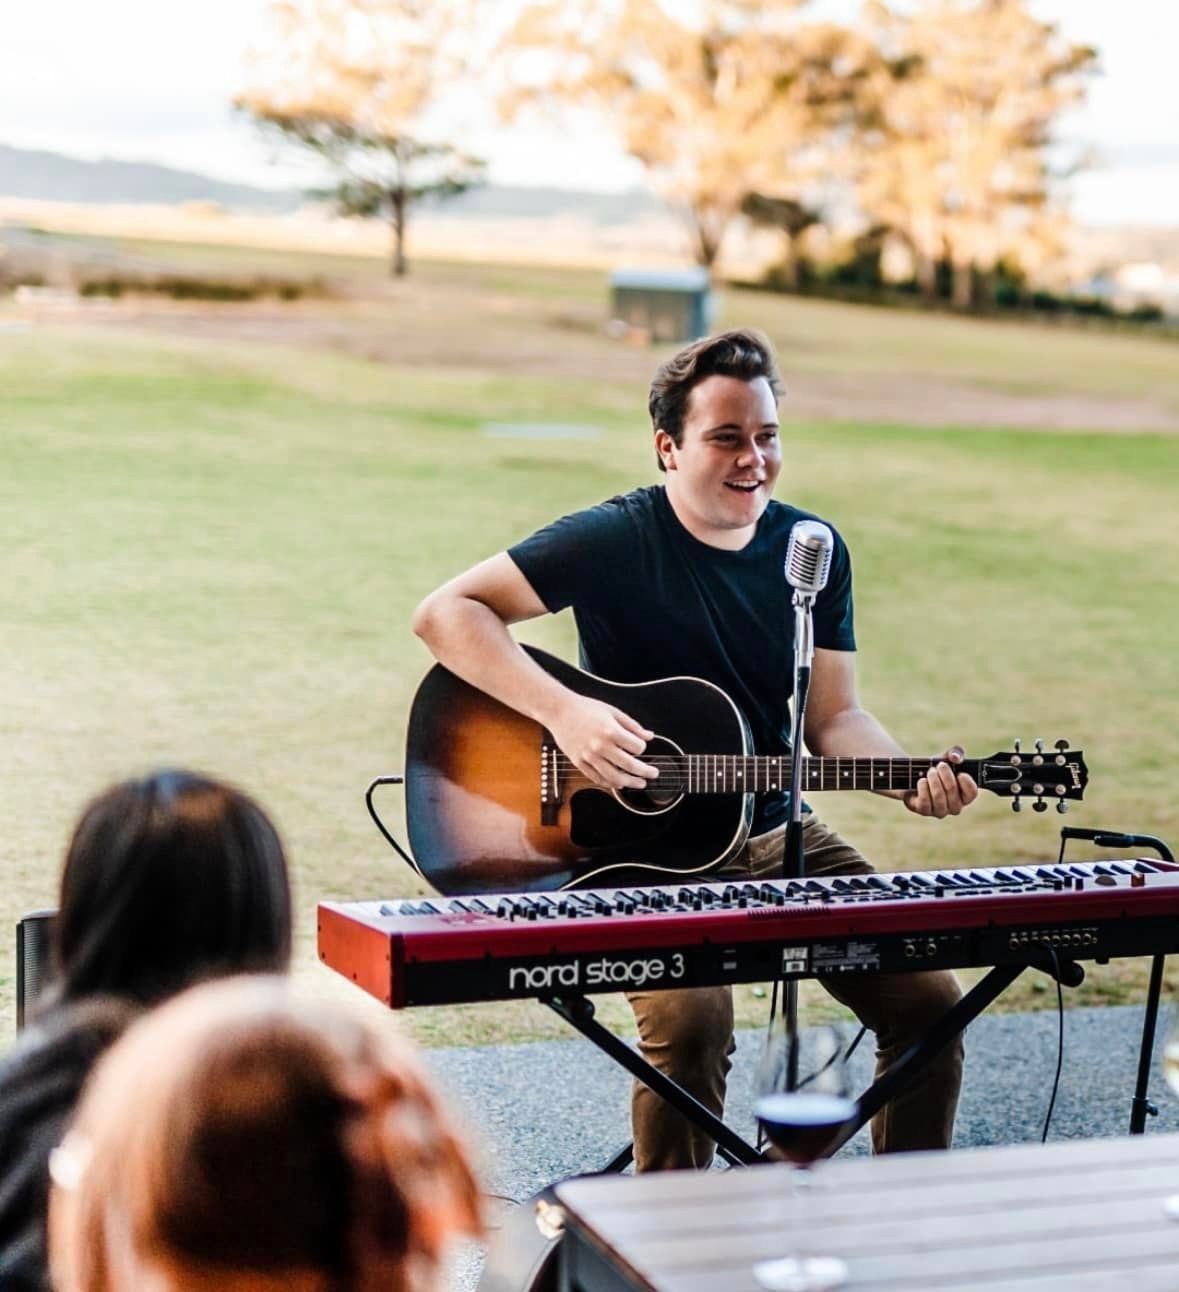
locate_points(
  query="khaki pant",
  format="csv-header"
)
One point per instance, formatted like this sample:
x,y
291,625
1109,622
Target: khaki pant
x,y
688,1034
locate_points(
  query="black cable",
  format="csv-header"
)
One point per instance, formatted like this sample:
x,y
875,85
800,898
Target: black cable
x,y
372,811
842,1055
1059,1042
760,1142
851,1049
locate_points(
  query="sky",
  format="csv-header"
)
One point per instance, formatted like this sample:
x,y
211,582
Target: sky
x,y
151,80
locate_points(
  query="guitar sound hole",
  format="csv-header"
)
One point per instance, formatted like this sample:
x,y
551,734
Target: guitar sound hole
x,y
658,797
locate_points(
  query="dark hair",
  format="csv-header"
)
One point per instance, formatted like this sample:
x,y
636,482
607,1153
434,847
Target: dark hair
x,y
743,353
40,1080
239,1129
170,879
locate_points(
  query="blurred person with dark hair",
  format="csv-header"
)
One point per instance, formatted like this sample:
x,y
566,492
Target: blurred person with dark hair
x,y
168,880
39,1084
243,1140
685,578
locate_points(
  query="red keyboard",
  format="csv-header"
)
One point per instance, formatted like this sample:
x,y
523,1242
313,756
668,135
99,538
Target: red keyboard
x,y
445,950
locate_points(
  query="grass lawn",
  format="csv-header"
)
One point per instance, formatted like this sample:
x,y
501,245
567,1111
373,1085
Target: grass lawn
x,y
212,549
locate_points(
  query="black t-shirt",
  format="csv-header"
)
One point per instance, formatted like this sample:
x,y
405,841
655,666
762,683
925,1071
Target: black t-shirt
x,y
652,601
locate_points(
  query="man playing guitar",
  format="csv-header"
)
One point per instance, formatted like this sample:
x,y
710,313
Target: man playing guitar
x,y
687,579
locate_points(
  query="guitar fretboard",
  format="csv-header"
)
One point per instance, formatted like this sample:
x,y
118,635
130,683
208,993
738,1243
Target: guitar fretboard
x,y
738,774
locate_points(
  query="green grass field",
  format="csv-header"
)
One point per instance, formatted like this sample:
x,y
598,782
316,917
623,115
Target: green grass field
x,y
213,545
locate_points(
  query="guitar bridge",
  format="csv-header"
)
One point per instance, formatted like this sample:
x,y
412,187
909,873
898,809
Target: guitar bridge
x,y
550,780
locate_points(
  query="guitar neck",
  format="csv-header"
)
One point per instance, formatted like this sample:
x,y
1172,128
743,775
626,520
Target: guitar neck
x,y
736,774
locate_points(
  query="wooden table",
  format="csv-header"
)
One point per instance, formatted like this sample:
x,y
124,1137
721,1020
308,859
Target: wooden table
x,y
1081,1216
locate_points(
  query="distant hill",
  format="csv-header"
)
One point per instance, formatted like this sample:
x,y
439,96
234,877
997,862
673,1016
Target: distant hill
x,y
52,177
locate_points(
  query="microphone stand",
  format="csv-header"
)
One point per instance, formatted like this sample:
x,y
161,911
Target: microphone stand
x,y
793,853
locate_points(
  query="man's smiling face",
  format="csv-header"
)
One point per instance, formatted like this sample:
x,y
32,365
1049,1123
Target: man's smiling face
x,y
722,473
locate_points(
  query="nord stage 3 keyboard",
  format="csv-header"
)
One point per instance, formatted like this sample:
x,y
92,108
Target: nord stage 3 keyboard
x,y
444,950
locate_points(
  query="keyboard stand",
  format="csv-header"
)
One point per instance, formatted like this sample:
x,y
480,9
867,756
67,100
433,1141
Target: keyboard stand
x,y
578,1011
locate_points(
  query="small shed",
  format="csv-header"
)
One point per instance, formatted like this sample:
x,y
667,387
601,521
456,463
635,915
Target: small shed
x,y
666,304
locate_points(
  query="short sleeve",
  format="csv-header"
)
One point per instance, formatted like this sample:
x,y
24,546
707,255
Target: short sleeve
x,y
570,561
834,625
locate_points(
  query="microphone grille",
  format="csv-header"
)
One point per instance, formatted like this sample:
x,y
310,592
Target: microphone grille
x,y
808,556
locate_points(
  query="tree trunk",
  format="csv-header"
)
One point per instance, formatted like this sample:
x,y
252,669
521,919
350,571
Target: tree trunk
x,y
963,290
926,267
707,236
789,265
398,203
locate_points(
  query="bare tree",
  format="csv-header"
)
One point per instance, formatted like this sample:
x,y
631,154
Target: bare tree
x,y
743,98
352,82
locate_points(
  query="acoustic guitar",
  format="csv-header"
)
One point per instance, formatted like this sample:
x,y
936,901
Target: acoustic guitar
x,y
493,805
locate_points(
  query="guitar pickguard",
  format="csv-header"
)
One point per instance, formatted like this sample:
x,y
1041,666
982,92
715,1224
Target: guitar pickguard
x,y
599,823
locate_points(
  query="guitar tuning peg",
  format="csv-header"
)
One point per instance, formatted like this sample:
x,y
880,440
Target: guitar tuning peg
x,y
1040,806
1062,745
1061,806
1017,745
1039,746
1017,805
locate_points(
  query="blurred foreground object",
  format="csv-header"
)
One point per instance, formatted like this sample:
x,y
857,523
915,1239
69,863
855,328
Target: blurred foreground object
x,y
240,1137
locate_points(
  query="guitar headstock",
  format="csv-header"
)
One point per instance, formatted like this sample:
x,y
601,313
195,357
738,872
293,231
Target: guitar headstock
x,y
1040,775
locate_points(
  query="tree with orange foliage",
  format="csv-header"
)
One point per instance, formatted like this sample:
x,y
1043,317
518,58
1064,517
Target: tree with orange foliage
x,y
954,151
742,97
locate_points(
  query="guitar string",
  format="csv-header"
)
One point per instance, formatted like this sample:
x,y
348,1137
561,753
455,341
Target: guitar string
x,y
675,775
819,773
674,760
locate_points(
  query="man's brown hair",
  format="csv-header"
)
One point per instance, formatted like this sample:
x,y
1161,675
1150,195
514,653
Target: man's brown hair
x,y
743,353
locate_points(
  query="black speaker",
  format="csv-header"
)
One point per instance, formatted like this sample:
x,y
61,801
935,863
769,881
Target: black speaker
x,y
33,963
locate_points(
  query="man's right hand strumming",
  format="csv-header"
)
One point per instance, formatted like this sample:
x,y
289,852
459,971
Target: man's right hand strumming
x,y
465,624
602,741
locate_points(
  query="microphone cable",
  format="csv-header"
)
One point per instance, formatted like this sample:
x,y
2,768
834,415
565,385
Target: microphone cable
x,y
372,811
1059,1041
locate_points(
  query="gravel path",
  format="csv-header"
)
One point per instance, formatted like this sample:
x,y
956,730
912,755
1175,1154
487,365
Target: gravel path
x,y
550,1109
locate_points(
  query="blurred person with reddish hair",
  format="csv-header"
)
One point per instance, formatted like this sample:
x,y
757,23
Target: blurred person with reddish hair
x,y
243,1140
169,879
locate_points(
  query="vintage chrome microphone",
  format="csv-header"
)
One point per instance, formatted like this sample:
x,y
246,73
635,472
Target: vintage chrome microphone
x,y
808,565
